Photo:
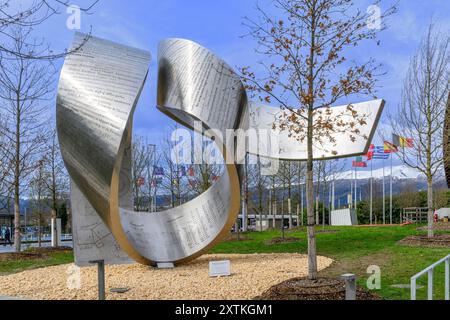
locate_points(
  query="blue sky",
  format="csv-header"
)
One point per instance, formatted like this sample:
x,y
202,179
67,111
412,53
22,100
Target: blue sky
x,y
217,25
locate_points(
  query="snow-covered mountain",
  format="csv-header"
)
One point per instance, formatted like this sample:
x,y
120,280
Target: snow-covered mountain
x,y
399,172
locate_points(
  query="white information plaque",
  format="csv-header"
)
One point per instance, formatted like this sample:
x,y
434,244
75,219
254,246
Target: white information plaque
x,y
220,268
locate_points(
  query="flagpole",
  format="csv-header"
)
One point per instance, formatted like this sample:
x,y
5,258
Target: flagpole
x,y
384,198
333,206
330,197
351,190
371,191
270,201
156,183
302,203
390,192
356,189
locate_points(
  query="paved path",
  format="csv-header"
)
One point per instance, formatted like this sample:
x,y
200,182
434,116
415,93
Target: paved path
x,y
5,249
6,298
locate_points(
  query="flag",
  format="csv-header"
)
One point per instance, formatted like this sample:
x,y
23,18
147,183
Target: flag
x,y
192,183
156,181
158,171
371,152
140,181
357,164
191,172
389,147
402,142
183,171
378,153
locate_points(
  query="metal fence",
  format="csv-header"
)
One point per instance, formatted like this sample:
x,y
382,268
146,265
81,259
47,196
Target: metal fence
x,y
414,215
429,271
46,237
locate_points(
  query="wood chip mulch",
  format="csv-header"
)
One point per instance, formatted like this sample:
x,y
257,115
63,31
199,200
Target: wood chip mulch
x,y
320,289
252,274
439,226
48,250
280,240
234,237
438,241
9,257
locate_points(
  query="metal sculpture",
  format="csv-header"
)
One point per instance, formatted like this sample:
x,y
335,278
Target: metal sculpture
x,y
98,91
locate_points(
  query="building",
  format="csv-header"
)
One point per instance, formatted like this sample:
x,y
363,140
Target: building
x,y
6,219
253,219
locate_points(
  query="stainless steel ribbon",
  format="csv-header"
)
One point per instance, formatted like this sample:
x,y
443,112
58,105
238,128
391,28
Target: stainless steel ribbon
x,y
98,91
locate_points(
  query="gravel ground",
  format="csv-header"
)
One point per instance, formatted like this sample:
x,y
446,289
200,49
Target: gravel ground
x,y
438,241
438,226
251,275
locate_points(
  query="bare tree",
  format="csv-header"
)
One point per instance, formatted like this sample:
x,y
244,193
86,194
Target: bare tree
x,y
56,177
327,172
422,109
300,167
287,173
201,176
319,170
174,171
258,183
38,190
140,162
204,176
30,15
306,75
25,88
6,168
272,180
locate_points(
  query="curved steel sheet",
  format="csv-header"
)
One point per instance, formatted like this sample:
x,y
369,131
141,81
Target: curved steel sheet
x,y
98,91
262,117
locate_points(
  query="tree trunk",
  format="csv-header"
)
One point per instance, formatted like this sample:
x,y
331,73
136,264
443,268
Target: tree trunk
x,y
289,199
17,161
39,231
312,254
16,223
312,258
290,212
282,218
54,234
430,208
317,210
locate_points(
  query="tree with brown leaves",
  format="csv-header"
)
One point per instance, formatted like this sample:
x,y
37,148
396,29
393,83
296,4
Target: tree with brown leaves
x,y
306,43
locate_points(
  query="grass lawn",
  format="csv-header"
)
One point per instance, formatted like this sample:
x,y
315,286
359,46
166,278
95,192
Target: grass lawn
x,y
50,259
354,249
